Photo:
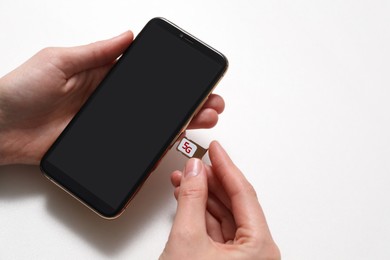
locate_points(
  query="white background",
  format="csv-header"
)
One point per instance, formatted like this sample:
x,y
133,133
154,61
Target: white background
x,y
307,120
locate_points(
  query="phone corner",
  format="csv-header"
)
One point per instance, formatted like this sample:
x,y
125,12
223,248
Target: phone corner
x,y
42,166
226,61
158,19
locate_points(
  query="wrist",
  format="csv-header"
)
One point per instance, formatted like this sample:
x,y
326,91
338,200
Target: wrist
x,y
15,148
12,145
4,141
6,147
8,143
2,128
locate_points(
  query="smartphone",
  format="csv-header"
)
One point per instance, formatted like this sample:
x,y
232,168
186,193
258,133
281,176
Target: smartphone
x,y
134,116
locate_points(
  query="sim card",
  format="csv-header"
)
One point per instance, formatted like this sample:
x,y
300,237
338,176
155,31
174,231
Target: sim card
x,y
191,149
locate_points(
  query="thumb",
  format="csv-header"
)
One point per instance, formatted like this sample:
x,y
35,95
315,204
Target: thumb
x,y
192,198
93,55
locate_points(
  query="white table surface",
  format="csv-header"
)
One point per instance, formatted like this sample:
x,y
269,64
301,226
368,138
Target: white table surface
x,y
307,120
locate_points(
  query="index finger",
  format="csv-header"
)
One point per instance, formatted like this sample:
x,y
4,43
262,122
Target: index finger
x,y
208,115
246,209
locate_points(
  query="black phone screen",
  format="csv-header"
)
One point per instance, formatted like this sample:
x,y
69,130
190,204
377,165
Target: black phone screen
x,y
113,142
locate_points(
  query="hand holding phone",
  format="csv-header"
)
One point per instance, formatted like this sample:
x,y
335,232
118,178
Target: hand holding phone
x,y
133,117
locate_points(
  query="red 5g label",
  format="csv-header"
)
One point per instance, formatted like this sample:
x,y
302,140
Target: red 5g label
x,y
187,147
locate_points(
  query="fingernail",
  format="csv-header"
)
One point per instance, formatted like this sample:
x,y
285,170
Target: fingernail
x,y
193,167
